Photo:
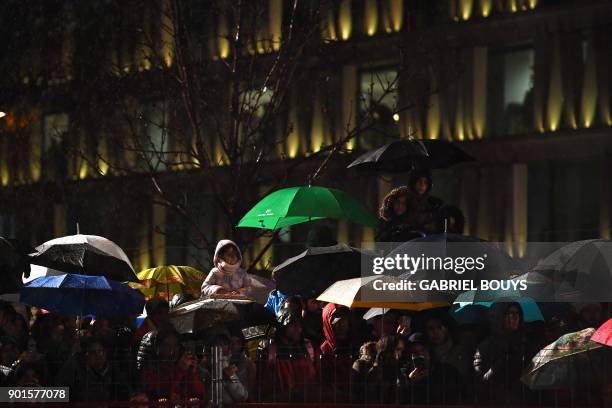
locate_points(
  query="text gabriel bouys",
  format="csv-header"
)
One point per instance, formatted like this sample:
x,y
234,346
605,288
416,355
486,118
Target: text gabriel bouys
x,y
444,285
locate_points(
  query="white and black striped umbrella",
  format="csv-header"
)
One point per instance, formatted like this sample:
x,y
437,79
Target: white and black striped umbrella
x,y
85,255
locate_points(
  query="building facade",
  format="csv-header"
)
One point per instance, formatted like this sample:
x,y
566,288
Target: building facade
x,y
522,85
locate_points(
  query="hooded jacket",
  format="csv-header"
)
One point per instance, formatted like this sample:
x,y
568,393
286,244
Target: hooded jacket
x,y
330,345
336,361
218,278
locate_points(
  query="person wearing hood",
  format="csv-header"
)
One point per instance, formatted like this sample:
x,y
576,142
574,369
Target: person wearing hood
x,y
227,275
336,353
286,366
393,223
501,357
424,209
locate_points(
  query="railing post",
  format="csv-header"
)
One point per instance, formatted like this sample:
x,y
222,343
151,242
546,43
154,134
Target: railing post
x,y
217,377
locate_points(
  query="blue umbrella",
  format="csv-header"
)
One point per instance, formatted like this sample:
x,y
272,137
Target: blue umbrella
x,y
464,304
72,294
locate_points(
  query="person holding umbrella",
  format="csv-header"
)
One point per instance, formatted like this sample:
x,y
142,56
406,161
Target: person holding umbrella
x,y
424,209
227,275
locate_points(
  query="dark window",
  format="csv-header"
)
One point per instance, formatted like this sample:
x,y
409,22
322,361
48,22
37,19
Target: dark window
x,y
563,200
510,95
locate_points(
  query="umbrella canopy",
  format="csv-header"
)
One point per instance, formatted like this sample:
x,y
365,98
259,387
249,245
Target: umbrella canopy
x,y
314,270
573,360
13,263
603,335
72,294
486,298
296,205
406,155
166,281
362,293
86,255
580,271
37,271
202,314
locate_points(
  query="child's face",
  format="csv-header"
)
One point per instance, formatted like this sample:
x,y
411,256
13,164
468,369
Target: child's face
x,y
230,255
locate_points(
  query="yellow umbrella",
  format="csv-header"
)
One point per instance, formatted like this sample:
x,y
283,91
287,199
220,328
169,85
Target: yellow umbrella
x,y
166,281
367,293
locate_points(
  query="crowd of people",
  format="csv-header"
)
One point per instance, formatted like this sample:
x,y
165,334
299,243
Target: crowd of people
x,y
316,352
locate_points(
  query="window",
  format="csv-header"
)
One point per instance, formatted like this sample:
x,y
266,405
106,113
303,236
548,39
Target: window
x,y
510,85
184,243
257,124
154,122
378,101
56,145
563,200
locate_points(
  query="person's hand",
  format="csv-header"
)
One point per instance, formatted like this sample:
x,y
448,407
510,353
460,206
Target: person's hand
x,y
403,326
193,400
417,374
187,361
230,371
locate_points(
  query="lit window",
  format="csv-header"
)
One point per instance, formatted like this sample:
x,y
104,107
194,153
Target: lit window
x,y
154,124
378,94
510,80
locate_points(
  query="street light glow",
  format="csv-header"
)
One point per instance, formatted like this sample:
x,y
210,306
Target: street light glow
x,y
2,114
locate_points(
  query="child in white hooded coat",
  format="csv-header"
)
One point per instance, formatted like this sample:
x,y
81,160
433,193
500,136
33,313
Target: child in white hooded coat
x,y
227,275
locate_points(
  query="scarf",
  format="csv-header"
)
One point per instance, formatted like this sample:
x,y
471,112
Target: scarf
x,y
228,268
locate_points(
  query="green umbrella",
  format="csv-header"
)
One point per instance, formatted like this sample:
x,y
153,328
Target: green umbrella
x,y
295,205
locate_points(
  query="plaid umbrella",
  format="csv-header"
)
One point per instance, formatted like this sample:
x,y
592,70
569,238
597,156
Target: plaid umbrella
x,y
573,360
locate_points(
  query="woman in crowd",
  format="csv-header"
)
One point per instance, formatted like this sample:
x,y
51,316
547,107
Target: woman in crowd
x,y
386,372
336,354
502,356
393,217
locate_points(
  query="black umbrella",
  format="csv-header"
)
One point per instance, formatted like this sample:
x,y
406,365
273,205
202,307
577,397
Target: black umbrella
x,y
203,314
13,263
580,271
85,255
406,155
314,270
